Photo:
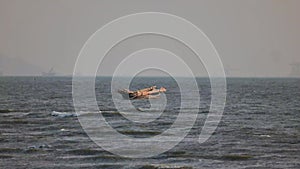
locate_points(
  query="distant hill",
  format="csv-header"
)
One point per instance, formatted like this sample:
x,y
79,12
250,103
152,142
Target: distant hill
x,y
295,69
49,73
17,66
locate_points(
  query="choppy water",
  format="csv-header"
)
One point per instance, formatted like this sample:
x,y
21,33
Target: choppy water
x,y
260,127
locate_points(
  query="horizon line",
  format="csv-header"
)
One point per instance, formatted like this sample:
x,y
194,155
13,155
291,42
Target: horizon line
x,y
107,76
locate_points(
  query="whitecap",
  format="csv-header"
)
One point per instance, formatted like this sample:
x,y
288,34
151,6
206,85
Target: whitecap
x,y
63,114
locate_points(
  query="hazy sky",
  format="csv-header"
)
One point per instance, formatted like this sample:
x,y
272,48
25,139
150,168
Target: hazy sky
x,y
253,38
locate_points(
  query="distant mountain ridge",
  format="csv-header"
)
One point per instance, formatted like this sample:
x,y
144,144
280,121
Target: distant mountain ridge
x,y
17,66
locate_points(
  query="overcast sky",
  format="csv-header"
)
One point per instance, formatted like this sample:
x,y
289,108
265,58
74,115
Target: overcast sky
x,y
258,38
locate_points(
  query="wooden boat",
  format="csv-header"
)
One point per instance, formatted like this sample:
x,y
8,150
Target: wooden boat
x,y
147,93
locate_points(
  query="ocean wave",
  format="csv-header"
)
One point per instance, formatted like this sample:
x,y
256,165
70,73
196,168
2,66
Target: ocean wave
x,y
87,113
72,114
12,110
63,114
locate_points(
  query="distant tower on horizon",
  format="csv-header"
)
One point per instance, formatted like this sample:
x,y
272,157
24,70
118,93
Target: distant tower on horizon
x,y
295,69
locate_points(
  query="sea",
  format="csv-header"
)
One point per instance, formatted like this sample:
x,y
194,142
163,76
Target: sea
x,y
259,128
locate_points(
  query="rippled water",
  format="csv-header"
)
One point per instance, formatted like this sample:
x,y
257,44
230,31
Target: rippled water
x,y
260,127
